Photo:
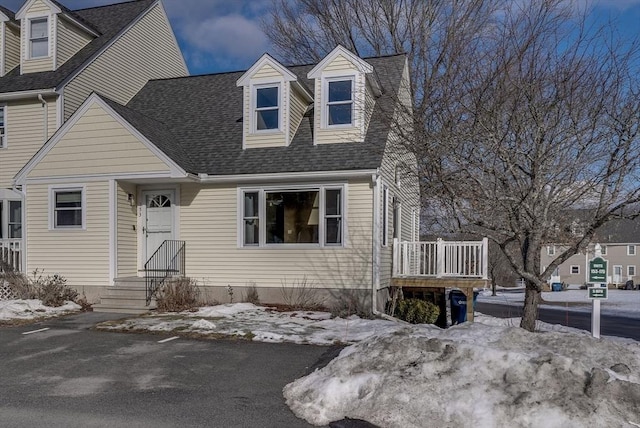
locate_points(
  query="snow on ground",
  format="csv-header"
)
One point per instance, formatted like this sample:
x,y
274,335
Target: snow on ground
x,y
619,302
31,309
487,374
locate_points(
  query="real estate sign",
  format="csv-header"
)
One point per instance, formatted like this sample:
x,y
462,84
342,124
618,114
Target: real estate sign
x,y
598,270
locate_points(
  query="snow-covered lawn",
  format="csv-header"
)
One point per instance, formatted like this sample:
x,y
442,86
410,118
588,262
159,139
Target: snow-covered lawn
x,y
486,374
12,310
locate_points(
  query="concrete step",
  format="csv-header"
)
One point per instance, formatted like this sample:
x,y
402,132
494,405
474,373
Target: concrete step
x,y
106,308
128,295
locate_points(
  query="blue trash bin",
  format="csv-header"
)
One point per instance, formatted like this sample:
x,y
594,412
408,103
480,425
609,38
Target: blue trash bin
x,y
459,306
556,286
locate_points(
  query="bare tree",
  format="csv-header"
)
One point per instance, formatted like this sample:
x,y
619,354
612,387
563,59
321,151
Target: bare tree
x,y
523,113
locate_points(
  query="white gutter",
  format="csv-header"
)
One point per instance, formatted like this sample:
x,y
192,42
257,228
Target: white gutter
x,y
287,176
9,96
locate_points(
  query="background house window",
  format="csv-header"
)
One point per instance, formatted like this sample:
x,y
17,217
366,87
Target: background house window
x,y
631,250
340,102
603,250
551,250
267,108
15,219
2,126
251,218
631,271
39,38
575,270
67,211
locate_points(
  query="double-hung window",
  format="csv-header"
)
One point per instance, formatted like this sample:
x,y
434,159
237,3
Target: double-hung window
x,y
267,111
293,216
3,139
39,38
631,250
68,208
339,108
15,219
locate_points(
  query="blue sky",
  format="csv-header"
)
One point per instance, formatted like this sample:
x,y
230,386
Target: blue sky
x,y
225,35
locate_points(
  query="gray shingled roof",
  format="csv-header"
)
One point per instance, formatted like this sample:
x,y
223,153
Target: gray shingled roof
x,y
107,20
620,230
204,114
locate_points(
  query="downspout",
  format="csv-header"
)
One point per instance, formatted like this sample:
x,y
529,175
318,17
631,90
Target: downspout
x,y
46,116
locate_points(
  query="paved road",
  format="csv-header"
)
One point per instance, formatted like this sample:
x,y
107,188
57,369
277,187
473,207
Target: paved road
x,y
609,325
69,376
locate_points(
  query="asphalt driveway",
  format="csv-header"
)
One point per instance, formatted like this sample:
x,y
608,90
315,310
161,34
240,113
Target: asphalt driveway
x,y
71,376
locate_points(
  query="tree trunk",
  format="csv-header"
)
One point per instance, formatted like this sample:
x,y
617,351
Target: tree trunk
x,y
530,310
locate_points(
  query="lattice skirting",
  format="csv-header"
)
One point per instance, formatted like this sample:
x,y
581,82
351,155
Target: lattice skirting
x,y
5,291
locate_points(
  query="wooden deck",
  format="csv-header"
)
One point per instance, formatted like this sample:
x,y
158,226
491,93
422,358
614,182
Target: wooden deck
x,y
466,285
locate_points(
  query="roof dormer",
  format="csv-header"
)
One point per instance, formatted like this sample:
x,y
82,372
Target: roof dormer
x,y
274,103
342,98
9,41
49,35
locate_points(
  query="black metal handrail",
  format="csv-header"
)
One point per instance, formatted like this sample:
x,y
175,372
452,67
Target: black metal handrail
x,y
168,261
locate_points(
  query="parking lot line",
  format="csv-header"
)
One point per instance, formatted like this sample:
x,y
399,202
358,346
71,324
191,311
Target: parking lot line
x,y
168,339
36,331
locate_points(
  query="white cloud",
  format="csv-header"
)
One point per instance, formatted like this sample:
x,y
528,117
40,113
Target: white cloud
x,y
233,36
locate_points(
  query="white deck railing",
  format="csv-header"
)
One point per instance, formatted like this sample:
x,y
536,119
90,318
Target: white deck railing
x,y
441,259
10,252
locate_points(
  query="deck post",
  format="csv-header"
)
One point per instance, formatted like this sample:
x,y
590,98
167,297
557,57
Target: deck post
x,y
485,258
439,257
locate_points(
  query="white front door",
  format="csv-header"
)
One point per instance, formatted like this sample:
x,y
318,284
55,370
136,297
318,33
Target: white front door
x,y
617,274
158,219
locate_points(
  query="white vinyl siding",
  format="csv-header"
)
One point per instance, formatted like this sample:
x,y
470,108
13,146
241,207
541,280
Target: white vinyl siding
x,y
126,236
146,51
209,224
98,144
25,135
70,39
84,257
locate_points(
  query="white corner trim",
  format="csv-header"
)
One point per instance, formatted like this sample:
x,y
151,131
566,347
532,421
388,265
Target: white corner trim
x,y
361,65
53,43
113,235
265,59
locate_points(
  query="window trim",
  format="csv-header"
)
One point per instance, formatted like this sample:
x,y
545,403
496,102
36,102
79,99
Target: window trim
x,y
576,268
254,108
325,101
631,252
31,39
53,190
262,192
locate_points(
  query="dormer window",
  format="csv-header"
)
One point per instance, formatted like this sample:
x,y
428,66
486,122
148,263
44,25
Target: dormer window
x,y
340,102
267,111
38,38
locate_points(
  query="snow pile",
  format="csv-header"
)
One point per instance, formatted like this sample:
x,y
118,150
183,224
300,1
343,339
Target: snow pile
x,y
476,375
30,309
259,324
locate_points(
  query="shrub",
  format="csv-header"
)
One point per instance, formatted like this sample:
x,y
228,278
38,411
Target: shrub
x,y
251,295
52,289
417,311
350,302
19,284
301,295
179,294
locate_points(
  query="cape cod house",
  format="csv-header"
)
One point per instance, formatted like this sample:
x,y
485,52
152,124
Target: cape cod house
x,y
276,177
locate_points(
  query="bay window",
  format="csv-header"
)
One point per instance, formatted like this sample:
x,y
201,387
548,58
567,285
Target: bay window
x,y
292,216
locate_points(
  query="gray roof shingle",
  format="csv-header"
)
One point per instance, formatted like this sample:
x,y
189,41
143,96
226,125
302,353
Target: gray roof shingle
x,y
107,20
204,116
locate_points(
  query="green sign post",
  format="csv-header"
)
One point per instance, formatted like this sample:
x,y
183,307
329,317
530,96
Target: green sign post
x,y
598,271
